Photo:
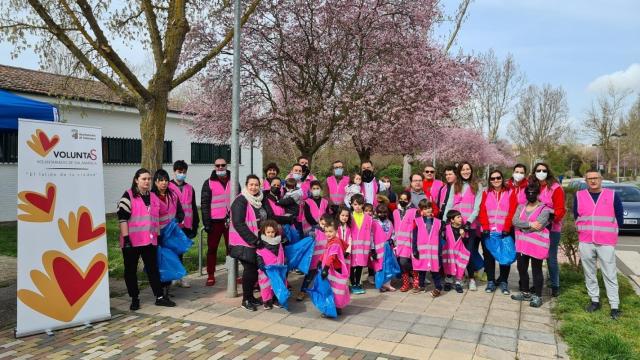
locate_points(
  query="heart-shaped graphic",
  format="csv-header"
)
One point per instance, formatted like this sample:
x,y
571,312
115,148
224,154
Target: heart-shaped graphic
x,y
73,283
79,230
38,207
47,144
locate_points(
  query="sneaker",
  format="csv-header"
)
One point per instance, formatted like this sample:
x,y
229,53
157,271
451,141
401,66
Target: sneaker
x,y
435,293
555,291
521,296
416,289
164,301
491,287
615,314
256,301
504,288
390,288
536,301
447,286
594,306
404,288
351,288
211,281
135,304
248,305
184,283
359,290
459,289
268,305
472,285
298,272
301,296
276,303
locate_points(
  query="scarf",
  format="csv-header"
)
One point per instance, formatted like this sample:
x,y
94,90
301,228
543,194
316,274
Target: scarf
x,y
271,240
255,201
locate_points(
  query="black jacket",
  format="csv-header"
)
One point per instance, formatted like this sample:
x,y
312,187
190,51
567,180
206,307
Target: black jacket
x,y
238,215
275,249
205,198
191,233
282,220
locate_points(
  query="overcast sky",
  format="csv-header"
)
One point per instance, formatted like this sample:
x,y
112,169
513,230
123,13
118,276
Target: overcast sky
x,y
581,45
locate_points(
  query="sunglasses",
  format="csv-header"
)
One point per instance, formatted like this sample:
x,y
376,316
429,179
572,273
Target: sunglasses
x,y
542,171
496,178
220,165
429,172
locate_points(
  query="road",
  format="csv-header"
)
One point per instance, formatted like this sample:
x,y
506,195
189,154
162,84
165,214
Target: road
x,y
628,253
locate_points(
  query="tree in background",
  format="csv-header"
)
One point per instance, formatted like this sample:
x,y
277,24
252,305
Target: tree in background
x,y
630,144
540,121
92,32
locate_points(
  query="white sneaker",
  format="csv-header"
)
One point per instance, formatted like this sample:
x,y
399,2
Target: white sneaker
x,y
184,283
472,285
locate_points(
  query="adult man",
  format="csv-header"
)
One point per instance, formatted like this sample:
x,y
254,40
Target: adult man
x,y
446,190
430,185
306,168
271,172
415,188
336,184
598,213
370,186
215,200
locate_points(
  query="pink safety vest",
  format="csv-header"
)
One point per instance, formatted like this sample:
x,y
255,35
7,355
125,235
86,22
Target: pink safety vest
x,y
536,243
403,228
252,222
546,197
596,222
168,209
265,184
361,241
338,280
427,246
336,189
220,199
442,195
497,209
316,212
380,237
144,223
266,292
375,192
344,233
455,256
319,248
185,196
464,203
277,209
435,189
521,197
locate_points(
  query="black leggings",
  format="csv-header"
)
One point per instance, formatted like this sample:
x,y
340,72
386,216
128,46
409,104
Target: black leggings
x,y
249,279
490,266
356,275
523,271
131,256
471,244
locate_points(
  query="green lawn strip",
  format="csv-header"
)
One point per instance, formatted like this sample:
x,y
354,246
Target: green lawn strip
x,y
596,336
9,239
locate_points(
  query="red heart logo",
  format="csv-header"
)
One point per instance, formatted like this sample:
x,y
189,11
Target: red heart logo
x,y
41,202
46,143
72,282
85,228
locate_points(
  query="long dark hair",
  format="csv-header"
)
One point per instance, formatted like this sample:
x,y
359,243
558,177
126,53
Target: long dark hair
x,y
502,183
161,174
459,181
134,188
550,178
342,208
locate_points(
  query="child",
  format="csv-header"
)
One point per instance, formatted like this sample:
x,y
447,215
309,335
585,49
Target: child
x,y
291,201
456,252
425,245
270,254
403,223
382,234
343,219
355,180
368,209
360,242
532,244
314,208
320,245
334,266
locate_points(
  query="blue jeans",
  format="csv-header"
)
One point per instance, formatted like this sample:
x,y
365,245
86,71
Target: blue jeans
x,y
552,261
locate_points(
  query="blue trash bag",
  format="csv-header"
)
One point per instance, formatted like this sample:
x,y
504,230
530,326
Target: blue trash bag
x,y
501,247
175,239
321,296
299,254
169,265
277,274
291,233
390,267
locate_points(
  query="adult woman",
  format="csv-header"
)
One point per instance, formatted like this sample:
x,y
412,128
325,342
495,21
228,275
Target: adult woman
x,y
270,172
466,198
138,214
518,182
270,200
552,195
496,211
246,214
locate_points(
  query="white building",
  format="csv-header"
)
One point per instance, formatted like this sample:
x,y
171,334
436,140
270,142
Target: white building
x,y
90,103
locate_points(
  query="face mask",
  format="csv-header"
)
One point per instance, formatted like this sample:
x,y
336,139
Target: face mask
x,y
541,176
338,172
275,190
532,197
181,177
382,217
297,177
367,176
305,169
221,173
518,177
316,193
403,203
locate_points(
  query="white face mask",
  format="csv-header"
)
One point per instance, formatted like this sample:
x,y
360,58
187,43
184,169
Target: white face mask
x,y
518,177
316,193
541,176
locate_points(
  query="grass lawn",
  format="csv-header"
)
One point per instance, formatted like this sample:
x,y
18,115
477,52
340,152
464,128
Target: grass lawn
x,y
9,239
596,336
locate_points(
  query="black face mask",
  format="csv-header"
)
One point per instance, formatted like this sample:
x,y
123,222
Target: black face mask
x,y
367,175
532,197
403,203
275,190
305,170
382,217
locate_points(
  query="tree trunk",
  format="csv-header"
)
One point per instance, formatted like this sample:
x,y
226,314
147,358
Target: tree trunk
x,y
152,124
406,169
364,154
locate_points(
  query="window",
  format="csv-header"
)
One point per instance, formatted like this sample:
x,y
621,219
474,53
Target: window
x,y
202,153
9,147
129,151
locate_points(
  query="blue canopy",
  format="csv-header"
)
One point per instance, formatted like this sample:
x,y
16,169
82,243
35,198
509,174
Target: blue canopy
x,y
13,107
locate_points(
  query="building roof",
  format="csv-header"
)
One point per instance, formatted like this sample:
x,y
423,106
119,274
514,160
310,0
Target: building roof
x,y
60,86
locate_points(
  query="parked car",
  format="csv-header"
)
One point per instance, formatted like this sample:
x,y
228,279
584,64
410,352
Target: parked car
x,y
630,196
580,184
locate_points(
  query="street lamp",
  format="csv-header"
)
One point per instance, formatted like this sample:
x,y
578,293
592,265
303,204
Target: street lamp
x,y
597,156
618,136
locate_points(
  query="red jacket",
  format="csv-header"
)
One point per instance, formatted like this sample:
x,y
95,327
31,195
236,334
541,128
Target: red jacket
x,y
559,209
484,218
333,259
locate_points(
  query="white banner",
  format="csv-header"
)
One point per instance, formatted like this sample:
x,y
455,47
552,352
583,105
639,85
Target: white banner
x,y
62,239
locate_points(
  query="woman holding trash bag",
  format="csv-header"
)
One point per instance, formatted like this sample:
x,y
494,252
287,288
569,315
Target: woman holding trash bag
x,y
247,213
496,211
270,200
138,214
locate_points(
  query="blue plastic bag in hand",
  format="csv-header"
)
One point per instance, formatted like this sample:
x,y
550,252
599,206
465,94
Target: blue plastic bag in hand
x,y
291,233
501,247
277,274
321,296
476,260
174,239
169,265
390,267
299,254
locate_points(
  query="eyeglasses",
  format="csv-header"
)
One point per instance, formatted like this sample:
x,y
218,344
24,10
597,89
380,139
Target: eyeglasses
x,y
338,167
593,179
429,171
542,171
219,165
496,178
